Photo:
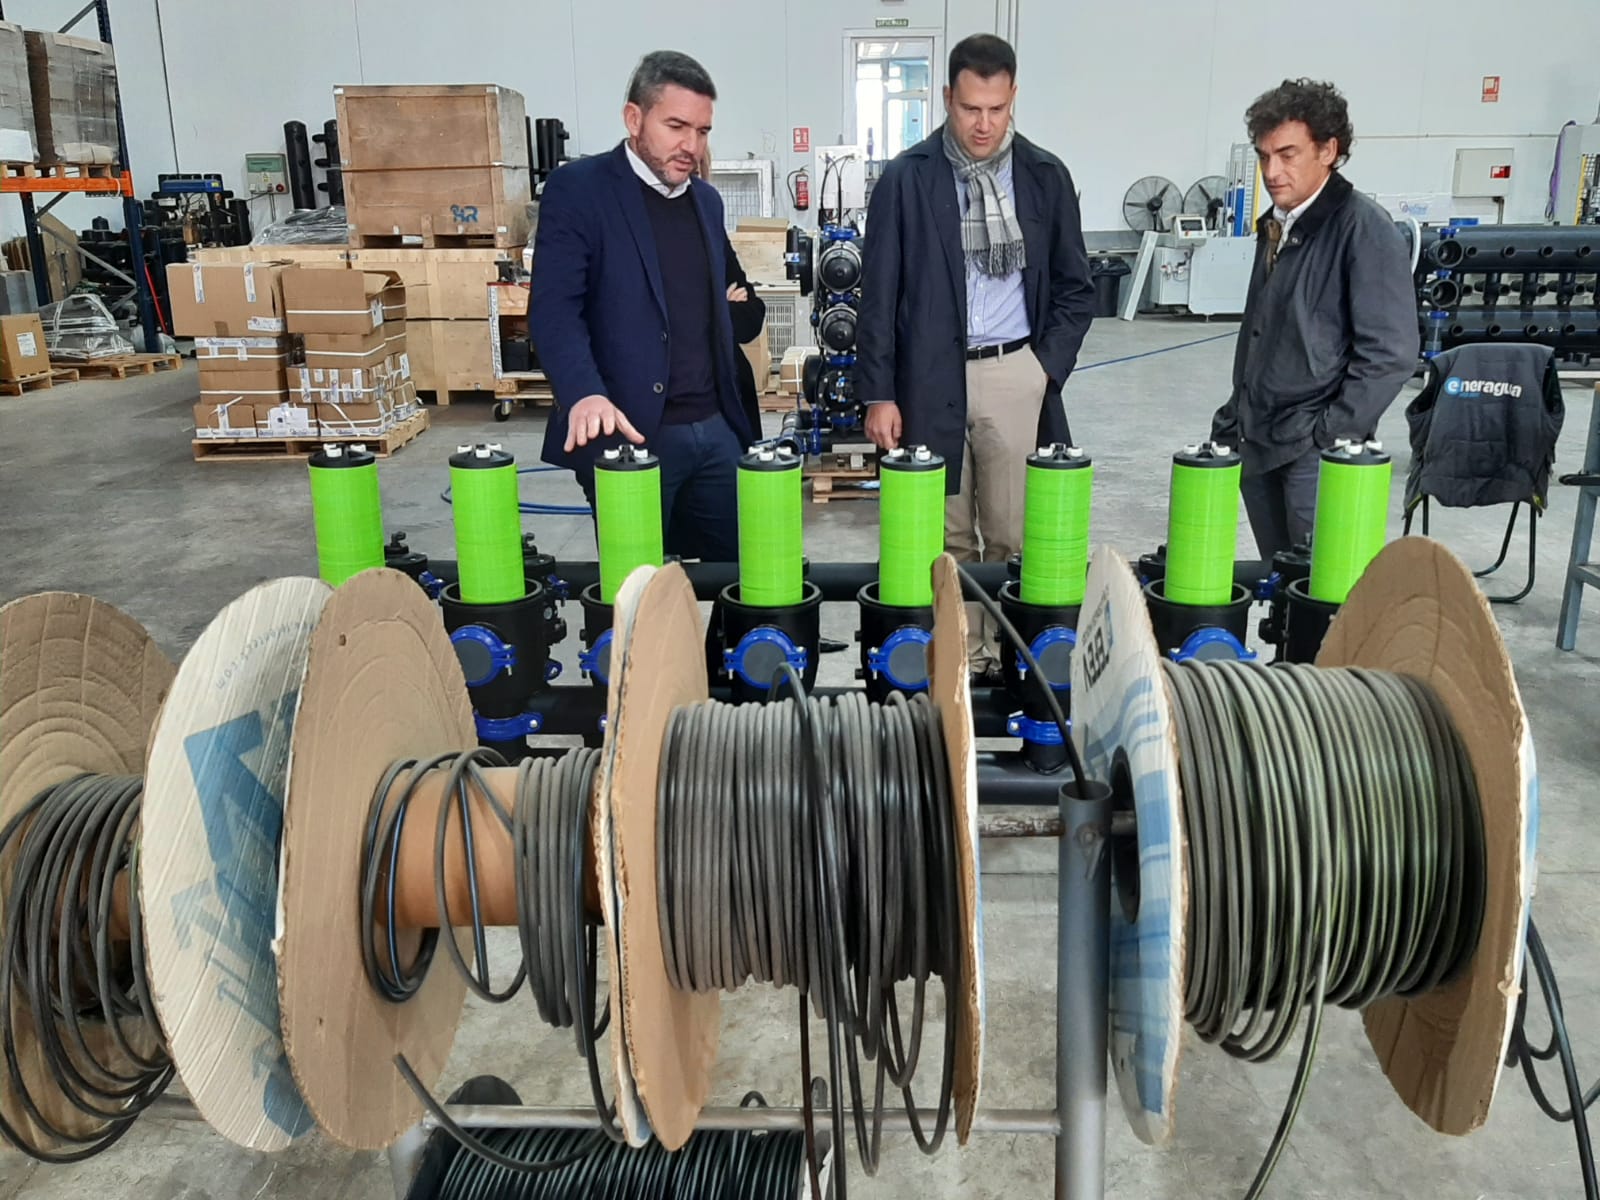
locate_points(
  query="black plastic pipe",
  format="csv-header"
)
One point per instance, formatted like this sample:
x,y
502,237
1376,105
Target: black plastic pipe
x,y
1518,248
1566,328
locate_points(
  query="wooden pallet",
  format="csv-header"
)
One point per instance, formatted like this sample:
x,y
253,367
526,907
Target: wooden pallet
x,y
28,170
123,365
36,383
276,449
529,391
429,240
835,483
777,402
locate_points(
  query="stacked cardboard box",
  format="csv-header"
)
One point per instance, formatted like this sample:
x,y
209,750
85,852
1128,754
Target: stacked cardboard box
x,y
74,85
355,378
16,98
235,314
445,319
23,354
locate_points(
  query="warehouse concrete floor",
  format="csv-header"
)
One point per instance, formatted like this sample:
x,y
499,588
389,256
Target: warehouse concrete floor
x,y
98,494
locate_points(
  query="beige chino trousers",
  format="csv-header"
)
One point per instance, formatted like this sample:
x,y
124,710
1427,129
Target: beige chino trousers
x,y
983,521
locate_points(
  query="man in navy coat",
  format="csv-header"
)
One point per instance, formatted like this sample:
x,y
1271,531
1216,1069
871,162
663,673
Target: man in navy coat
x,y
975,300
629,310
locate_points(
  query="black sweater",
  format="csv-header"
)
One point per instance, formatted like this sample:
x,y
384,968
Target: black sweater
x,y
686,279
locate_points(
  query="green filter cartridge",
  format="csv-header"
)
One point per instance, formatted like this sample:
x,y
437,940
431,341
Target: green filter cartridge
x,y
910,525
771,570
627,514
347,512
1352,517
1202,525
483,498
1055,526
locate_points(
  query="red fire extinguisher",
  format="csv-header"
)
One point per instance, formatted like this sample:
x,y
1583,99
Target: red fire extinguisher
x,y
802,190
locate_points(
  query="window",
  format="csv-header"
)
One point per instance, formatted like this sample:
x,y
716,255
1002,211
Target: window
x,y
893,93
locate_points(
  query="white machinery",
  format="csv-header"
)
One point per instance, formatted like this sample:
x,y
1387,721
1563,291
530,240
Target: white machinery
x,y
1576,197
1188,256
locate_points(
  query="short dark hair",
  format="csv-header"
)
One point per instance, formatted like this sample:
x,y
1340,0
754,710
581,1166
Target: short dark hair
x,y
661,68
1320,105
984,55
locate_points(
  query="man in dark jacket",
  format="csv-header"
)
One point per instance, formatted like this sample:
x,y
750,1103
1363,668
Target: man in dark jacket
x,y
975,299
1330,321
629,310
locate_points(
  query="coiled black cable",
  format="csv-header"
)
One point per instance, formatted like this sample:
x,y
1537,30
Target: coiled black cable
x,y
710,1166
811,843
63,974
1335,851
549,826
1524,1053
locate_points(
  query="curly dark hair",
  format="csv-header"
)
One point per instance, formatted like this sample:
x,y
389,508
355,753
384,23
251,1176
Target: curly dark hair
x,y
1320,105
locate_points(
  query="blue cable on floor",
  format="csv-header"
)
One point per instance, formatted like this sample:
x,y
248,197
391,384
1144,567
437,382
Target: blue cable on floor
x,y
540,510
1110,362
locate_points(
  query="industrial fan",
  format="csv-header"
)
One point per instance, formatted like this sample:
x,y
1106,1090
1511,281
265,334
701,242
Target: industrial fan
x,y
1208,197
1151,203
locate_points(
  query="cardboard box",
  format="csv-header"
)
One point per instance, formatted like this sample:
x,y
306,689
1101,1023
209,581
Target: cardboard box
x,y
441,285
313,385
226,300
286,420
264,382
23,353
760,356
347,351
16,98
348,303
74,86
356,420
241,354
761,254
235,418
791,371
394,301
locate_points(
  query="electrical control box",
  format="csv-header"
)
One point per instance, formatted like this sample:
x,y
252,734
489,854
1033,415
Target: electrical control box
x,y
1483,172
266,174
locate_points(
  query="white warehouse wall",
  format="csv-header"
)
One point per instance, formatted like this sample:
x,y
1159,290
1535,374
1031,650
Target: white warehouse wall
x,y
1166,95
1119,90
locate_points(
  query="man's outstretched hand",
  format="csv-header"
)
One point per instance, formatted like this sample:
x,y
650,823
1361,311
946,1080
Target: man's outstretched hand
x,y
595,416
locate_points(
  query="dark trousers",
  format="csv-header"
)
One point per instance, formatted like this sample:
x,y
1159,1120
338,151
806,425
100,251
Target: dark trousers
x,y
699,489
1282,503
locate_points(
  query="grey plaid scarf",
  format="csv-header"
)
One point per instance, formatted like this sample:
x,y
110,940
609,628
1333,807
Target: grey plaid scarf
x,y
991,237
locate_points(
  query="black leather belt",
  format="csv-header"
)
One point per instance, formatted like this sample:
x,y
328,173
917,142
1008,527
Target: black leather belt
x,y
999,351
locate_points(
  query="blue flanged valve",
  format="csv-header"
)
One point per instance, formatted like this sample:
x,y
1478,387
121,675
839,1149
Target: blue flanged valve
x,y
902,660
1039,733
508,729
1212,645
595,662
1052,650
482,654
760,653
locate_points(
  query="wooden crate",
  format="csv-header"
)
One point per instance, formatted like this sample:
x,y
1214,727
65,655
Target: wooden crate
x,y
457,207
434,166
441,285
451,356
430,126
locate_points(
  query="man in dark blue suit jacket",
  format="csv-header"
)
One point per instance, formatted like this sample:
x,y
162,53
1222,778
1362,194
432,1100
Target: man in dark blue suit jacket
x,y
629,311
974,302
